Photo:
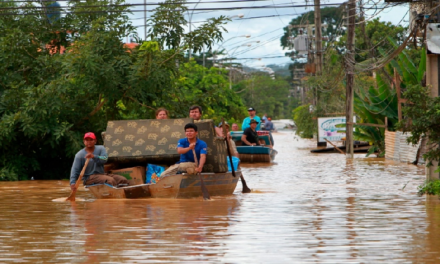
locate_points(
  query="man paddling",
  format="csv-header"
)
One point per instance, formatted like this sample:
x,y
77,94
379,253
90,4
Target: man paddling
x,y
94,173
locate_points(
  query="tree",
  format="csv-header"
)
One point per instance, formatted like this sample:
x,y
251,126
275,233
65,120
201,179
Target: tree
x,y
330,16
49,100
265,94
167,27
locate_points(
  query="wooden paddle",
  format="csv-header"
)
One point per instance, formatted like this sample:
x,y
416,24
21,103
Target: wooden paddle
x,y
243,182
72,194
202,184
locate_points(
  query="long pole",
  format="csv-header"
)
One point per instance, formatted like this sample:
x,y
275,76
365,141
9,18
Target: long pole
x,y
350,78
145,19
318,37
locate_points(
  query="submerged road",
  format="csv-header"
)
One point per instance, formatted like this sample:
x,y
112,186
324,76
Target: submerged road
x,y
304,208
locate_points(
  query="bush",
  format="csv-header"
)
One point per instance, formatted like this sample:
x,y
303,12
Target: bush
x,y
306,125
8,175
429,187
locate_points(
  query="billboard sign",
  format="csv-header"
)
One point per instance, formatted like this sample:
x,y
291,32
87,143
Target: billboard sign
x,y
327,128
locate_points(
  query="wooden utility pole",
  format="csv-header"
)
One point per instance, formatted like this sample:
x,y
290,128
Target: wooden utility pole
x,y
349,72
318,38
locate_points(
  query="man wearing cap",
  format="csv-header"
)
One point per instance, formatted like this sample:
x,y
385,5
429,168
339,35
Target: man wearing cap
x,y
231,142
250,135
94,173
247,120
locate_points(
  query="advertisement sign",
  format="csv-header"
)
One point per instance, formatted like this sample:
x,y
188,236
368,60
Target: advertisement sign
x,y
327,128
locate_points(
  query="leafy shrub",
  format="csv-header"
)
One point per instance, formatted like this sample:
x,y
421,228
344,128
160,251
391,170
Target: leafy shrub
x,y
7,174
306,125
429,187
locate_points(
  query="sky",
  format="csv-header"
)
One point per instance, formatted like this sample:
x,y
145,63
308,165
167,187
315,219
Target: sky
x,y
264,25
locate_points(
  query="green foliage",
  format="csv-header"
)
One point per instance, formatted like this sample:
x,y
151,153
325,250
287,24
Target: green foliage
x,y
380,101
331,16
304,121
429,187
266,95
328,87
422,119
167,26
208,88
48,100
8,174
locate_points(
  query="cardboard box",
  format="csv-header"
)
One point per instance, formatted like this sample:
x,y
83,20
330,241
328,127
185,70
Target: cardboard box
x,y
134,175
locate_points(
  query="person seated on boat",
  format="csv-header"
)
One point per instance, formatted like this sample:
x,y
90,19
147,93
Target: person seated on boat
x,y
234,127
94,173
185,147
250,135
162,113
247,120
264,118
269,125
195,112
232,145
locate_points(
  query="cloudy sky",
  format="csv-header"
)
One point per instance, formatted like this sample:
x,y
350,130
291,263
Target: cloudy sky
x,y
264,25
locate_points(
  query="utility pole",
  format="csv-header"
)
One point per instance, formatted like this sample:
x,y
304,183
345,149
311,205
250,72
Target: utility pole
x,y
318,37
145,19
432,81
349,72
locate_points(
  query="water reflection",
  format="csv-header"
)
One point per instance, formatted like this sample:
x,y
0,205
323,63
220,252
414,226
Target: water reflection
x,y
305,208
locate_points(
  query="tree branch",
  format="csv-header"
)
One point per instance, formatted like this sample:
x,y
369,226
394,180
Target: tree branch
x,y
136,101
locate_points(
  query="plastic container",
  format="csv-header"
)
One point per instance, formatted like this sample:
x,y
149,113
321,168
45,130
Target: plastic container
x,y
235,161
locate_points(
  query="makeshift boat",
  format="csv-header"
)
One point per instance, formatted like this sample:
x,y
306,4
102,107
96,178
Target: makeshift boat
x,y
253,154
172,186
133,144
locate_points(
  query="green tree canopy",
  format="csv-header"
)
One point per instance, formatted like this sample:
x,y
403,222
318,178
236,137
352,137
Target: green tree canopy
x,y
49,100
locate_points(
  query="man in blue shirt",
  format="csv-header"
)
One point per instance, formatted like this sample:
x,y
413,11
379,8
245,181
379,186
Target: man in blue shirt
x,y
247,120
186,145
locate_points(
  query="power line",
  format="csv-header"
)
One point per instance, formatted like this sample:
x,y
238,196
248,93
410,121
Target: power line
x,y
131,5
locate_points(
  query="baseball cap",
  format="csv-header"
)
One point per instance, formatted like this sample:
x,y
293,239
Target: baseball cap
x,y
226,123
253,121
251,109
89,135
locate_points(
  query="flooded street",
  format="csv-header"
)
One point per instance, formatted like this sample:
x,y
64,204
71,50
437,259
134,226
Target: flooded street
x,y
305,208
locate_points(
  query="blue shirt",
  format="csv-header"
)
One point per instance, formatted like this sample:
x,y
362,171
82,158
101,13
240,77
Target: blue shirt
x,y
247,123
201,148
268,125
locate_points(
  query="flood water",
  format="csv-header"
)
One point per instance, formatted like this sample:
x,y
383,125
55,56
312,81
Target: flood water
x,y
305,208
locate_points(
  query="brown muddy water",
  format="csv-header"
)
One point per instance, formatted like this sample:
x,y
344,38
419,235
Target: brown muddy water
x,y
305,208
